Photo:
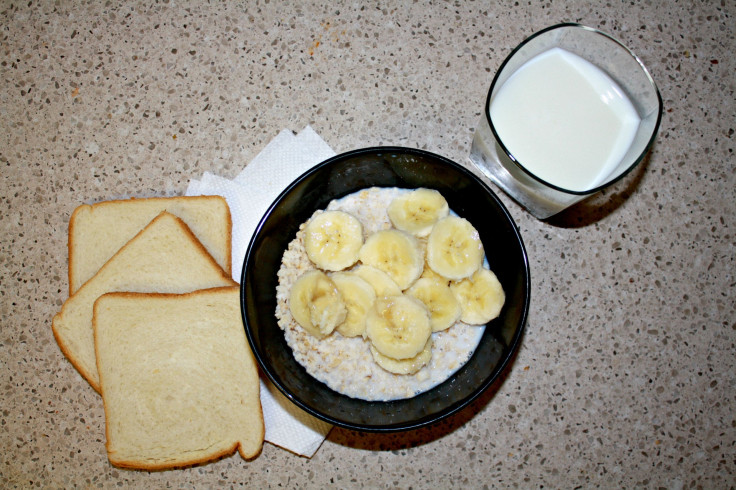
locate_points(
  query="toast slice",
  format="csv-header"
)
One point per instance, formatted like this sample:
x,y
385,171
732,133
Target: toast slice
x,y
164,257
179,382
99,230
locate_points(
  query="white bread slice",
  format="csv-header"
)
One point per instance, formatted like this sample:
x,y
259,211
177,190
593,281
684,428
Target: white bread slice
x,y
179,382
164,257
97,231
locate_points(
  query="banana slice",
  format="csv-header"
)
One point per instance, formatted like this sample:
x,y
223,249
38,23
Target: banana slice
x,y
417,211
382,283
404,366
481,297
454,249
398,326
396,253
333,239
316,304
428,273
359,297
444,308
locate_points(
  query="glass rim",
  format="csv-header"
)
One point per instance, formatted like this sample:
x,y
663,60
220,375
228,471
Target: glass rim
x,y
506,151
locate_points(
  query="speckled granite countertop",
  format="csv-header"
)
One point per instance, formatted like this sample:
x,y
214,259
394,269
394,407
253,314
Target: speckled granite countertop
x,y
626,374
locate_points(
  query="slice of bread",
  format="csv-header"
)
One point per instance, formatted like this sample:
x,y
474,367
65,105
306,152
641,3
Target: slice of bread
x,y
164,257
99,230
179,382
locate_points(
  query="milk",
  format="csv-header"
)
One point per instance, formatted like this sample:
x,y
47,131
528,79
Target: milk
x,y
564,120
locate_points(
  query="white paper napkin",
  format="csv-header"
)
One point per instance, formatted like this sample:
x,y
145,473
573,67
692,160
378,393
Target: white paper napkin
x,y
249,195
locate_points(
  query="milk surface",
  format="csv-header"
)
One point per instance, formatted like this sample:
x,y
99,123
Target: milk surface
x,y
564,120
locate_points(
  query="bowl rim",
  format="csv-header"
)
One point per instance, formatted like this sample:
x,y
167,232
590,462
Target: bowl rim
x,y
501,366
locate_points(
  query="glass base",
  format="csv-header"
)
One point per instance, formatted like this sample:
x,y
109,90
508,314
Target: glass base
x,y
540,200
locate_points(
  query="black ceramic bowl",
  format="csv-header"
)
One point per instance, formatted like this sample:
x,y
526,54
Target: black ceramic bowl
x,y
384,167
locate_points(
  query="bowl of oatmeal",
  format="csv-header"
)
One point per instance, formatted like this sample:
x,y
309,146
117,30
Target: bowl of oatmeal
x,y
338,374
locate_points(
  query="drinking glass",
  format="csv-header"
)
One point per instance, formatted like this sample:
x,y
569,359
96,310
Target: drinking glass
x,y
541,197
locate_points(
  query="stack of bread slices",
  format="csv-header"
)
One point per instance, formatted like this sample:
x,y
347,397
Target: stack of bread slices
x,y
153,323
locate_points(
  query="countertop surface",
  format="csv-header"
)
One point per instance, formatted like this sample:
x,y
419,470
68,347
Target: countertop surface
x,y
625,376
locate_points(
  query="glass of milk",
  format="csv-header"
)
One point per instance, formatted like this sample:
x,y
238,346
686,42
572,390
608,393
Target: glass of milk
x,y
570,111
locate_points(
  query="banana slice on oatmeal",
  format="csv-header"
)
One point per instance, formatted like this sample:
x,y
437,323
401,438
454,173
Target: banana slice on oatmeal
x,y
381,282
481,297
316,304
404,366
398,326
417,211
333,240
444,308
396,253
454,249
359,297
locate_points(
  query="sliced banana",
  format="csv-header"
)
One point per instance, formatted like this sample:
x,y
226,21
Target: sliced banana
x,y
444,308
428,273
481,297
404,366
398,326
396,253
382,283
333,239
454,249
316,304
417,211
359,297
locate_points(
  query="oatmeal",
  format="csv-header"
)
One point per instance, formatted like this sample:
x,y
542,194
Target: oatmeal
x,y
346,364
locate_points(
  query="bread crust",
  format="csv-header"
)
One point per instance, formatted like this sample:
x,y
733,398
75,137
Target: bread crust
x,y
206,255
259,422
142,465
70,246
89,208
